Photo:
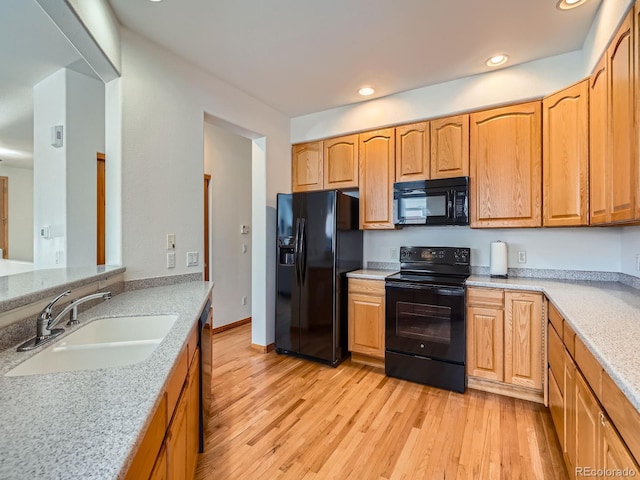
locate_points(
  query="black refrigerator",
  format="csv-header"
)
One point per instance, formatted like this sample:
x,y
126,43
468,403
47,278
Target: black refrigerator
x,y
318,242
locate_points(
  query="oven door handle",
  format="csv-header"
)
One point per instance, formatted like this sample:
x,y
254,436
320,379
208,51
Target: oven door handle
x,y
440,289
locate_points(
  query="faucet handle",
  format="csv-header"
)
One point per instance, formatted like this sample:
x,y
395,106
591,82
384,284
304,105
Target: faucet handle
x,y
48,308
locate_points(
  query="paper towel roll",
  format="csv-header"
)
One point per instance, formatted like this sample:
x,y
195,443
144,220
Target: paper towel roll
x,y
498,259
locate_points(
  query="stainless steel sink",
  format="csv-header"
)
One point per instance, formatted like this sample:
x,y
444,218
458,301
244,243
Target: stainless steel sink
x,y
103,343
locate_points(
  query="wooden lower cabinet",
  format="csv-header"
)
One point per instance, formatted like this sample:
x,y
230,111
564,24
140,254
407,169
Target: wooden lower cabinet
x,y
176,420
590,443
504,342
366,321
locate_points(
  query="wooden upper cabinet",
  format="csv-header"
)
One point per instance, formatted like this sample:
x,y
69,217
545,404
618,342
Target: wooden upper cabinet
x,y
506,166
565,156
412,152
341,162
306,167
599,171
377,173
621,123
636,56
450,147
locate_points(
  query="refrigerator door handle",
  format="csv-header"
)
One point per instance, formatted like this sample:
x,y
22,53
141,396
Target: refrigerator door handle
x,y
296,251
303,250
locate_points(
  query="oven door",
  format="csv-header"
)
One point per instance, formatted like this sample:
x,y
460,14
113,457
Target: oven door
x,y
426,320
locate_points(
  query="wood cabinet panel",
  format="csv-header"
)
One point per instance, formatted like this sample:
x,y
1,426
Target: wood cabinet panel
x,y
599,168
160,468
589,367
193,415
556,407
570,375
143,462
450,147
622,413
485,297
377,173
176,441
366,312
413,151
506,167
485,348
621,123
614,454
565,157
341,162
587,426
556,355
523,339
306,167
556,319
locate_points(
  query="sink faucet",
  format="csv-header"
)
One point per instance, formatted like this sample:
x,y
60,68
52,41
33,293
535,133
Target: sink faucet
x,y
45,322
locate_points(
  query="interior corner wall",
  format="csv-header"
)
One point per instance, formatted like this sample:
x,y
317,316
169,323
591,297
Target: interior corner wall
x,y
20,212
164,98
85,137
227,158
630,246
113,173
49,171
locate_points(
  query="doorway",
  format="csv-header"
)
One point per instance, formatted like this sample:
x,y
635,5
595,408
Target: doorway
x,y
4,216
100,210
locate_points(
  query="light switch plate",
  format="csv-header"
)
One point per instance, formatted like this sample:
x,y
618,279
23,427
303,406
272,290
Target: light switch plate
x,y
192,259
171,260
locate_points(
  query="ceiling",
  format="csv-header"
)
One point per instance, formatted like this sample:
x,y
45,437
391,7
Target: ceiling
x,y
305,56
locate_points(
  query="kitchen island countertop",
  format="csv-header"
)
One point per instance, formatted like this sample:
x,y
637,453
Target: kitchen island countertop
x,y
88,424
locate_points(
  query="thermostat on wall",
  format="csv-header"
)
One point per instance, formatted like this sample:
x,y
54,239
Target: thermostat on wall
x,y
56,136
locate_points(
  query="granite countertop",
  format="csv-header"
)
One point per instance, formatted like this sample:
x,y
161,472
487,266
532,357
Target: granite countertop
x,y
86,424
21,289
371,274
604,315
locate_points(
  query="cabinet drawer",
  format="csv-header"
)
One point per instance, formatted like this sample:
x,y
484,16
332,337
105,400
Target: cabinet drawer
x,y
361,285
556,355
485,297
192,342
624,415
569,338
556,406
556,319
176,381
589,366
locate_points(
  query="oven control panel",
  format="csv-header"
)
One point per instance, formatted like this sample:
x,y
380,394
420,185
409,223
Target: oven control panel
x,y
436,255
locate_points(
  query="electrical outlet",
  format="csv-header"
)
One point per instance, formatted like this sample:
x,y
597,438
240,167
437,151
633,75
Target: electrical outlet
x,y
638,262
171,241
171,260
244,300
393,254
522,256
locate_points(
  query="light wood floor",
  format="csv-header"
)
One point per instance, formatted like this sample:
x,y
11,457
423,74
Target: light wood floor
x,y
280,417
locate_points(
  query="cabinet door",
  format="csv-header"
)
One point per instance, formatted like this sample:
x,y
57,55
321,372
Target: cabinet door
x,y
306,167
599,167
556,406
614,453
377,173
193,415
506,167
565,157
412,152
523,339
176,441
485,349
341,162
569,443
366,323
450,147
621,123
160,468
587,427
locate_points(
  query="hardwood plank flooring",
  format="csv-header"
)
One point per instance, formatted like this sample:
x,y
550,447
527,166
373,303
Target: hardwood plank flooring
x,y
278,417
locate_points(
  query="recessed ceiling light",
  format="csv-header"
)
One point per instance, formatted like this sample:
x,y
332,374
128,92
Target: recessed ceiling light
x,y
366,91
497,60
569,4
155,1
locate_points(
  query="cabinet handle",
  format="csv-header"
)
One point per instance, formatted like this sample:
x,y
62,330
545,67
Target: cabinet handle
x,y
602,419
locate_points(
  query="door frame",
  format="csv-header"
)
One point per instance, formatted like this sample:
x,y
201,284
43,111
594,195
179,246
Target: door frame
x,y
207,182
4,229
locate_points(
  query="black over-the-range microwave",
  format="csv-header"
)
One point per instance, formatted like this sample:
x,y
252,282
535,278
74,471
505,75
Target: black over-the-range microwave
x,y
431,202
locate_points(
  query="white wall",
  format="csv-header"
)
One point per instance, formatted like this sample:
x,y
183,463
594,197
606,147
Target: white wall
x,y
227,158
49,170
85,123
521,82
164,99
630,245
20,212
587,249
